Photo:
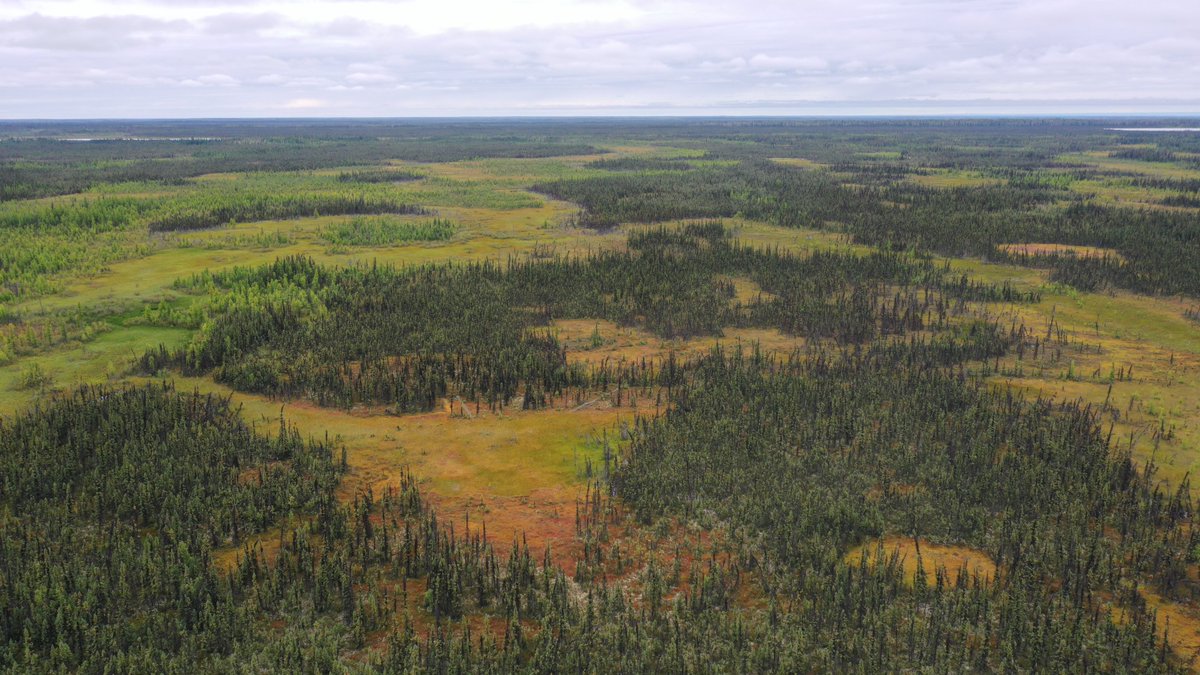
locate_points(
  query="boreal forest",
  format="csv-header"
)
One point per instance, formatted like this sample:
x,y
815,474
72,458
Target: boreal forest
x,y
588,396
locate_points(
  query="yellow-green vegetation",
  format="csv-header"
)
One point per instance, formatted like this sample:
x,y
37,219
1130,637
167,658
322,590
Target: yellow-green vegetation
x,y
105,358
1121,191
952,178
386,231
1104,160
797,162
1138,356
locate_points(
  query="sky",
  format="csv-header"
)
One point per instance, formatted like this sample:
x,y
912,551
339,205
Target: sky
x,y
351,58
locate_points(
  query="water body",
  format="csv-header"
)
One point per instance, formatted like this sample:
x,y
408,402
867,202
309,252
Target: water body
x,y
1166,129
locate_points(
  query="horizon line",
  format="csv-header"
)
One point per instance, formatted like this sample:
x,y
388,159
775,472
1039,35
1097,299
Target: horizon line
x,y
629,116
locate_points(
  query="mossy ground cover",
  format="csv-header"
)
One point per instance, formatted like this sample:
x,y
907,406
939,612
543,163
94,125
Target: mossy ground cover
x,y
1104,160
517,472
950,178
926,556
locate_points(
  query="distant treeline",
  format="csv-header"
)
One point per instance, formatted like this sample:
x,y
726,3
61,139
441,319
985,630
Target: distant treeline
x,y
1160,249
43,167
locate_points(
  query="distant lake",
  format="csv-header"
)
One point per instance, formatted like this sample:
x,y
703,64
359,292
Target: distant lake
x,y
1158,129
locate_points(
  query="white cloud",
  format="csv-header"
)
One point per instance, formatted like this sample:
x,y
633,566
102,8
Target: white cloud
x,y
369,78
305,104
236,57
218,80
764,62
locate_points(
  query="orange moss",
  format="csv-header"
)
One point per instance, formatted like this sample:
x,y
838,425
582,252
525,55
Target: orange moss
x,y
520,471
1180,621
1059,249
797,162
933,556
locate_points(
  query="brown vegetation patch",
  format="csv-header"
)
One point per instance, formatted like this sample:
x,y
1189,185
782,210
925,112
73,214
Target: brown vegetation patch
x,y
798,162
591,341
1035,249
954,560
1180,622
745,290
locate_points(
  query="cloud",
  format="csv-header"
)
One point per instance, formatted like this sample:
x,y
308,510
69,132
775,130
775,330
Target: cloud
x,y
305,104
239,23
779,63
103,33
71,58
218,80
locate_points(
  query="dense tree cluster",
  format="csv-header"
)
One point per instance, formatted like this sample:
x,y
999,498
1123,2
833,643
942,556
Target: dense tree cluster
x,y
409,338
114,499
386,231
379,176
1159,247
249,207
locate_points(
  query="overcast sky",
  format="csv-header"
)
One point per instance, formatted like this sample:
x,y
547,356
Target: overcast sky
x,y
268,58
